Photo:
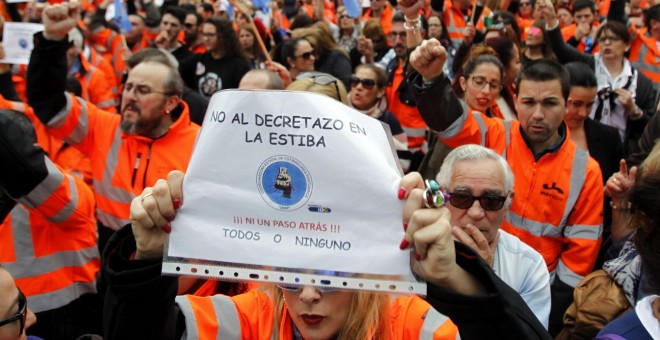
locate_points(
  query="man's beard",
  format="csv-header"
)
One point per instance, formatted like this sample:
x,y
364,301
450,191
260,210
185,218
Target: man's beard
x,y
140,126
191,38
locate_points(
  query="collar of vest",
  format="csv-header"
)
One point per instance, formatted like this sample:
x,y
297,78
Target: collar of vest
x,y
563,135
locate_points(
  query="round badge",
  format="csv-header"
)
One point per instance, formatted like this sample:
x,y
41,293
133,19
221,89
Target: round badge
x,y
284,183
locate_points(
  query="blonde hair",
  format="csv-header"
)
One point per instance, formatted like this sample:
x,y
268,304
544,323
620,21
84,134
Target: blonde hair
x,y
368,315
330,89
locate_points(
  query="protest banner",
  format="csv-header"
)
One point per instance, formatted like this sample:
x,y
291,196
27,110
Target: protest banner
x,y
17,41
292,188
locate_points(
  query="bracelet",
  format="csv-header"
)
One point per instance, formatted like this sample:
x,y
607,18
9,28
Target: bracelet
x,y
407,27
621,207
412,21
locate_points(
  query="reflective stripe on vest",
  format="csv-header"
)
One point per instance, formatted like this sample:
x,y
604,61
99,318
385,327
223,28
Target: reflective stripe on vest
x,y
646,66
229,325
81,129
414,132
455,33
507,136
27,265
47,187
432,321
482,127
457,125
106,189
568,276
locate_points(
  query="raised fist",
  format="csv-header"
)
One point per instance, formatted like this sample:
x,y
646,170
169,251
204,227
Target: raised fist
x,y
59,19
428,59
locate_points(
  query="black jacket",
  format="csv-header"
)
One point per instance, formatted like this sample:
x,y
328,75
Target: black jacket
x,y
139,302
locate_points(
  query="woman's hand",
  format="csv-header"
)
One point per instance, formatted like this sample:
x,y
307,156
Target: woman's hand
x,y
619,184
152,212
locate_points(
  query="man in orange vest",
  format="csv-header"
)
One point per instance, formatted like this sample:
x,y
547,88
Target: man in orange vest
x,y
558,207
48,239
582,33
381,10
193,27
128,152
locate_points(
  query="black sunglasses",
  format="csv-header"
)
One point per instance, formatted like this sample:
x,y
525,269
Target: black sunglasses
x,y
321,79
366,83
488,202
305,55
21,315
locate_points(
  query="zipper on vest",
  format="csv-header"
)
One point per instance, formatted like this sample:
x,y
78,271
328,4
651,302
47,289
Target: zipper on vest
x,y
135,169
146,168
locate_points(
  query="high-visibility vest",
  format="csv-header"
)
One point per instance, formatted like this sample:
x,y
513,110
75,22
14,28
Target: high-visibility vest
x,y
558,204
385,18
252,316
568,32
95,88
48,241
112,46
405,110
122,164
96,59
644,54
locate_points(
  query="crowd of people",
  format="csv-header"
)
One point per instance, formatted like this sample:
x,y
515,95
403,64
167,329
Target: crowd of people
x,y
536,119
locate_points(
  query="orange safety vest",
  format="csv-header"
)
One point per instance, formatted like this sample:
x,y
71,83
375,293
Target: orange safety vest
x,y
111,47
411,120
97,60
385,18
122,164
644,54
252,316
456,21
95,88
558,204
48,241
568,32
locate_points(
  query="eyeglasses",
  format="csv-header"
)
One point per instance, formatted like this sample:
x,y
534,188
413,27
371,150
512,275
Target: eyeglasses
x,y
525,4
488,202
321,79
142,90
366,83
188,26
209,35
393,35
480,83
298,289
21,315
306,55
611,38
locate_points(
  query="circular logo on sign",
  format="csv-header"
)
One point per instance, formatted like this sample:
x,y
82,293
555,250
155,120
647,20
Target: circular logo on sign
x,y
284,183
23,43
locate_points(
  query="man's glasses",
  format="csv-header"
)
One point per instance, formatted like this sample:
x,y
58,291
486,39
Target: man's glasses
x,y
393,35
480,83
298,289
321,79
21,315
488,202
142,90
366,83
306,55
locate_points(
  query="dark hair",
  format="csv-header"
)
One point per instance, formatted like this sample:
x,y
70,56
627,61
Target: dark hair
x,y
226,35
545,70
301,20
581,75
579,5
398,17
478,55
381,75
509,18
504,49
546,47
617,28
20,119
444,36
198,17
289,50
646,203
176,12
652,13
207,7
187,7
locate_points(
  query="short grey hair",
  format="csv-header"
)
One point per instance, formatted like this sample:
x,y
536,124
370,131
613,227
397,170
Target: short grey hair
x,y
471,152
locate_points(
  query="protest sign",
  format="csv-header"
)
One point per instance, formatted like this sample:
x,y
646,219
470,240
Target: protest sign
x,y
17,40
292,187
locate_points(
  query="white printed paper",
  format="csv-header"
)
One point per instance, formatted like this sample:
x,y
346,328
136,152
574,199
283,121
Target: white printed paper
x,y
17,41
292,181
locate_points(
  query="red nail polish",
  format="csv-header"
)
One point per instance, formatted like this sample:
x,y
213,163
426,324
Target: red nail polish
x,y
176,203
402,193
404,244
170,218
166,228
405,227
418,257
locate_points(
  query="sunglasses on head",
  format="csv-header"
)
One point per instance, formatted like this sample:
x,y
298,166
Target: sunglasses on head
x,y
488,202
321,79
366,83
21,315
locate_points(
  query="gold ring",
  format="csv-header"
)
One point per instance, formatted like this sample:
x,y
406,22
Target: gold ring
x,y
145,197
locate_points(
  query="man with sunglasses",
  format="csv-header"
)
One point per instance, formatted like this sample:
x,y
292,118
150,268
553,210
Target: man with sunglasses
x,y
479,186
558,208
15,316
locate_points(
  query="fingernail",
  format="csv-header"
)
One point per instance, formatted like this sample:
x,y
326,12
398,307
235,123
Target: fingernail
x,y
402,193
166,228
404,244
418,257
405,227
170,218
176,203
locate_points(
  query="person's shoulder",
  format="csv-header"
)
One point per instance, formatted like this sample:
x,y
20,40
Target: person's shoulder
x,y
515,246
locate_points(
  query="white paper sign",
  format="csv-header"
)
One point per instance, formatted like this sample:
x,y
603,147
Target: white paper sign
x,y
292,180
16,1
17,40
